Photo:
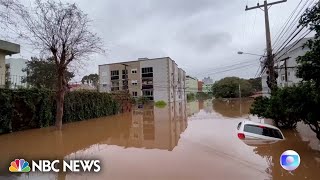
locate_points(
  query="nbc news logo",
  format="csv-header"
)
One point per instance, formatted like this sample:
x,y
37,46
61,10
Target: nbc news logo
x,y
20,165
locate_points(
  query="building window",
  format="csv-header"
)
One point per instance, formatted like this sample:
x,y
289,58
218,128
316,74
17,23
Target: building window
x,y
134,71
134,94
115,75
147,84
283,77
148,94
147,72
114,88
134,82
124,74
115,83
104,85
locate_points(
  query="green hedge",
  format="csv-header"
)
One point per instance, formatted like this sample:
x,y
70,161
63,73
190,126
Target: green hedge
x,y
34,108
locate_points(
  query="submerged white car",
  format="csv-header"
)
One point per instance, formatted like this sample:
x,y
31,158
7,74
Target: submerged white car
x,y
257,133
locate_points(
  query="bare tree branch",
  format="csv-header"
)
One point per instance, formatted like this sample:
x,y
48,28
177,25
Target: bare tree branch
x,y
59,29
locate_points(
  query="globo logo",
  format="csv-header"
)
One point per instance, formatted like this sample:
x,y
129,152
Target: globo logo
x,y
290,160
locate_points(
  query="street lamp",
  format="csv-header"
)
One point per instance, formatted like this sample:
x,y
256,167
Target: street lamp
x,y
240,52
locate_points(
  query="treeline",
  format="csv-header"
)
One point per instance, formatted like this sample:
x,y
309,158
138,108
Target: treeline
x,y
35,108
229,87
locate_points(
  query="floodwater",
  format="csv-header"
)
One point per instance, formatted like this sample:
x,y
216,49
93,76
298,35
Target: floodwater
x,y
187,141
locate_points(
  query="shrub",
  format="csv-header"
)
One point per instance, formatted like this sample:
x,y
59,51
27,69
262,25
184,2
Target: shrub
x,y
160,104
35,108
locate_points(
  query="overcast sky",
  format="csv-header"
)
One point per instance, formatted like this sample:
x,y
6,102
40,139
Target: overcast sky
x,y
201,36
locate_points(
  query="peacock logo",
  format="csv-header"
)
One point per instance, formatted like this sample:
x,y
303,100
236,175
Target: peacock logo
x,y
19,165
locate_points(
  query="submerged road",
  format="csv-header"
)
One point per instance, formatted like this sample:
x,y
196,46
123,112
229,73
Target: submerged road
x,y
187,141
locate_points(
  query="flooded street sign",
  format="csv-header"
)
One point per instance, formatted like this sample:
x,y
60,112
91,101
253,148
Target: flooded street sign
x,y
196,140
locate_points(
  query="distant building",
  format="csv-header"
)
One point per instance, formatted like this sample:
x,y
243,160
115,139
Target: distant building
x,y
207,88
156,79
6,48
191,85
286,66
15,74
207,80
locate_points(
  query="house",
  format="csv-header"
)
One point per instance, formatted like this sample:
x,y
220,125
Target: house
x,y
15,73
6,48
286,66
156,79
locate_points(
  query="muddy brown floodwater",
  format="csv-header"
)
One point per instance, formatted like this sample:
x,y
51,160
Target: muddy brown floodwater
x,y
187,141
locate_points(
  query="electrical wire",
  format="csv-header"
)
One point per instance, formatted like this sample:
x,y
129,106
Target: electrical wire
x,y
281,30
290,27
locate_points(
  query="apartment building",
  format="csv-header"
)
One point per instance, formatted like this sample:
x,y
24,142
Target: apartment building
x,y
191,85
156,79
286,66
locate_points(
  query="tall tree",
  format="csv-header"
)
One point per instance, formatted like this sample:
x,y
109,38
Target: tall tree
x,y
309,69
42,73
58,29
229,88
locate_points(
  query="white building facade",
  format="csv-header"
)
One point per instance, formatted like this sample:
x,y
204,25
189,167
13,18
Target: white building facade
x,y
15,73
6,48
156,79
191,85
286,66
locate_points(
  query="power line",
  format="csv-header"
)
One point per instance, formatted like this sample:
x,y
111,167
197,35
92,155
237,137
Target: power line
x,y
226,66
290,28
281,30
292,46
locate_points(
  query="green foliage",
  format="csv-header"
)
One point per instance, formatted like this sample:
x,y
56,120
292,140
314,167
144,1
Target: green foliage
x,y
229,88
309,64
160,104
42,73
256,83
191,97
203,96
284,106
142,100
34,108
5,110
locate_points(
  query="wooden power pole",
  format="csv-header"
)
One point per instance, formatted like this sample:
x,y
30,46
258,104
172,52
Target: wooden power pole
x,y
270,62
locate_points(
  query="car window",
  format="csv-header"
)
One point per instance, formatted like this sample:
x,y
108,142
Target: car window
x,y
276,133
239,125
265,131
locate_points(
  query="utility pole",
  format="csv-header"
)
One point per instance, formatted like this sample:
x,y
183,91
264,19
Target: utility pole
x,y
270,62
240,102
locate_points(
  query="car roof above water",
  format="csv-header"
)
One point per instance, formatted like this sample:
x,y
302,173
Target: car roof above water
x,y
260,124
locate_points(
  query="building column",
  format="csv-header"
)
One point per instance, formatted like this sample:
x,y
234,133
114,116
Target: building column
x,y
2,70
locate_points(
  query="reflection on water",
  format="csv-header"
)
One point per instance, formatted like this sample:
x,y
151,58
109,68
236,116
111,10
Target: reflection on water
x,y
153,143
149,128
232,107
